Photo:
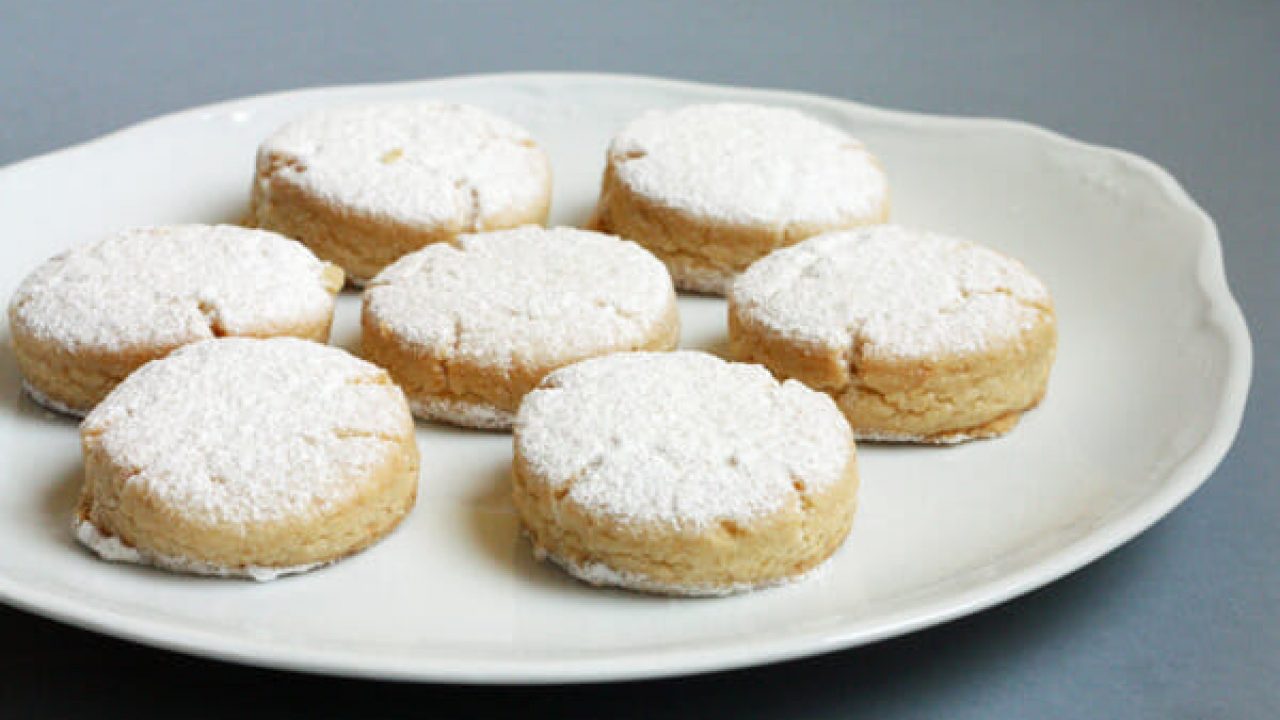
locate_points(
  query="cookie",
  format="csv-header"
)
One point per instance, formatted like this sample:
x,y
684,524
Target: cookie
x,y
712,188
682,474
362,186
84,320
246,457
919,337
467,328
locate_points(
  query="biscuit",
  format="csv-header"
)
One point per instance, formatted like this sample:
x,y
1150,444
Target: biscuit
x,y
712,188
468,328
362,186
84,320
919,337
682,474
248,458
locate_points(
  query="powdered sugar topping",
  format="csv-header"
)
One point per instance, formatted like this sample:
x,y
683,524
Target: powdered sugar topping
x,y
165,286
682,439
888,291
749,164
530,295
416,162
242,430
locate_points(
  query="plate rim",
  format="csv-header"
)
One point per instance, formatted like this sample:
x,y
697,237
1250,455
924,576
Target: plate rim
x,y
1223,314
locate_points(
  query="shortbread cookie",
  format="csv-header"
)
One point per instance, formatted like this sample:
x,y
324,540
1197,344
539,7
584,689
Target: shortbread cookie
x,y
87,318
468,328
246,457
362,186
919,337
712,188
680,473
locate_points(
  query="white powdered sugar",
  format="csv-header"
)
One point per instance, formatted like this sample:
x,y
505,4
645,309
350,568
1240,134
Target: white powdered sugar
x,y
110,548
241,430
683,439
749,164
529,295
887,291
165,286
416,162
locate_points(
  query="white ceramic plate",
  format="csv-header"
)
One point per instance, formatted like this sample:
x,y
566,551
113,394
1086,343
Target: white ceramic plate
x,y
1145,399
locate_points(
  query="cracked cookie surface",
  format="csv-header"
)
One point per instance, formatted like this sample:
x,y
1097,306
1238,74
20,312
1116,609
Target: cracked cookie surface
x,y
468,327
712,188
681,473
247,457
918,336
85,319
363,185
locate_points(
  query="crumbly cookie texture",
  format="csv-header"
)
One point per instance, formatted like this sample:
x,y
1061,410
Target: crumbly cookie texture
x,y
920,337
111,548
49,403
247,457
712,188
603,575
473,414
364,185
88,317
682,474
467,328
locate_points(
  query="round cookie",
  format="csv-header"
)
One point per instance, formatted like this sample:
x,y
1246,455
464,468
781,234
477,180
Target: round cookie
x,y
682,474
712,188
85,319
246,457
468,328
361,186
919,337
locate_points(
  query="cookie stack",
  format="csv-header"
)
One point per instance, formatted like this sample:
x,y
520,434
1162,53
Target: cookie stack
x,y
224,437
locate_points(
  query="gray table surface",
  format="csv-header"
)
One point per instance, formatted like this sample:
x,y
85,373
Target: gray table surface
x,y
1182,622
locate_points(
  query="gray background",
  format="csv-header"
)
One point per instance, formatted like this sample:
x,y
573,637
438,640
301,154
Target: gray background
x,y
1182,622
